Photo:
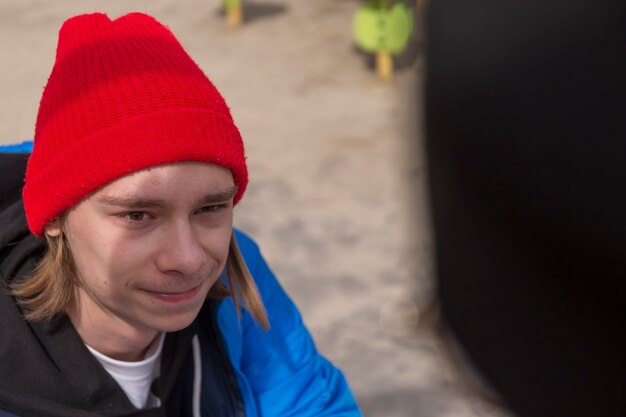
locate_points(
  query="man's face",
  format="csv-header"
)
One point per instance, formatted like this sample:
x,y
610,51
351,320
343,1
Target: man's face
x,y
149,246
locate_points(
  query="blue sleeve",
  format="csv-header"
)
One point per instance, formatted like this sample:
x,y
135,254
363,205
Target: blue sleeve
x,y
26,146
287,375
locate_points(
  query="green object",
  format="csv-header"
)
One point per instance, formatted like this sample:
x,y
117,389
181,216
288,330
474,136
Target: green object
x,y
229,3
378,28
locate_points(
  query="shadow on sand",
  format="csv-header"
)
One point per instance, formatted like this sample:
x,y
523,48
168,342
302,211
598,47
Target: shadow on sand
x,y
254,10
404,403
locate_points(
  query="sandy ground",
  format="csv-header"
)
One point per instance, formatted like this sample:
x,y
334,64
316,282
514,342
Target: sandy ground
x,y
336,198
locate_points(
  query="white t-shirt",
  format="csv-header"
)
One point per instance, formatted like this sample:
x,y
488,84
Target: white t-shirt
x,y
135,378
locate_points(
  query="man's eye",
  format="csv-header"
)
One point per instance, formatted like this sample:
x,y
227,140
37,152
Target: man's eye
x,y
211,208
136,216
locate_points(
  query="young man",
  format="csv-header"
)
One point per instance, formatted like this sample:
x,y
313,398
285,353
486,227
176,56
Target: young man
x,y
142,300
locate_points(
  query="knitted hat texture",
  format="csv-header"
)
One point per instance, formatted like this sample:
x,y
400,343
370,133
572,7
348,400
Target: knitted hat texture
x,y
123,95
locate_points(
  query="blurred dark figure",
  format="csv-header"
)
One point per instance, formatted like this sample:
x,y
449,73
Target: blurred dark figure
x,y
526,140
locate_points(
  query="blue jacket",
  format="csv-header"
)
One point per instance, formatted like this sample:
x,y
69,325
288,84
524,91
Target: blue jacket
x,y
277,372
280,372
26,146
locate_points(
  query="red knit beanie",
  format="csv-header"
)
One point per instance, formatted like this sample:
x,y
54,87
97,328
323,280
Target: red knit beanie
x,y
123,95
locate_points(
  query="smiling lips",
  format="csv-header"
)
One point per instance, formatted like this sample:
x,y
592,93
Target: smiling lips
x,y
175,297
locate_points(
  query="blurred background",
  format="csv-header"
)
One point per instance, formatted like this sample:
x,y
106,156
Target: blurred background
x,y
337,196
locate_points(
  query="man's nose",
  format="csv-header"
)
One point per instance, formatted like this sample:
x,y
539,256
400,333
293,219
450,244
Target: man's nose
x,y
181,250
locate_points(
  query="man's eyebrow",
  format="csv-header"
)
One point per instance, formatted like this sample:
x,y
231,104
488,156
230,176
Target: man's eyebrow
x,y
137,202
130,202
219,196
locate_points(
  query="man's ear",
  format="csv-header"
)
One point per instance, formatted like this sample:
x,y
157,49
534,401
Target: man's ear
x,y
53,228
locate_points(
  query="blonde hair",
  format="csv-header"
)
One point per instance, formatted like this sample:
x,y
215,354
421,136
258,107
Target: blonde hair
x,y
50,290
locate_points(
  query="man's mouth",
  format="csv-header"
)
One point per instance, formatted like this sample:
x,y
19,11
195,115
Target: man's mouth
x,y
175,296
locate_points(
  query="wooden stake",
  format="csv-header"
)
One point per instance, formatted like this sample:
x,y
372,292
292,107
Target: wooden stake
x,y
384,65
384,62
234,16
